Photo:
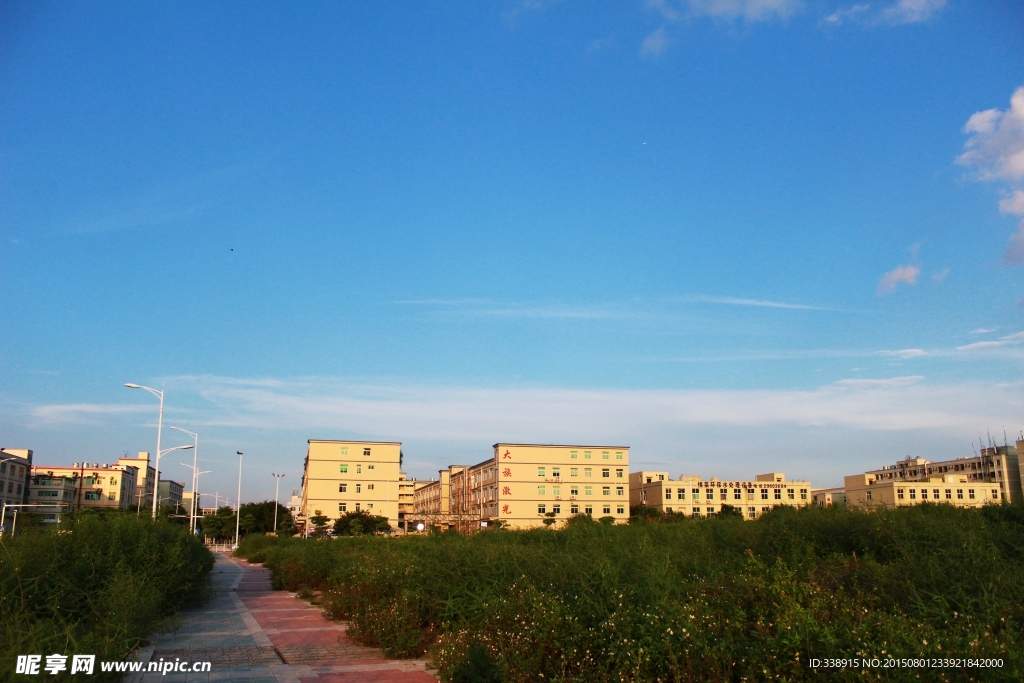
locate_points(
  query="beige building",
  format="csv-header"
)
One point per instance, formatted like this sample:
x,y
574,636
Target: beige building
x,y
96,485
352,476
144,481
171,494
867,491
998,465
15,470
829,497
695,496
56,493
521,485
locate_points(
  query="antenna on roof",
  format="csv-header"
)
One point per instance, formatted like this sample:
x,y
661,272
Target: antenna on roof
x,y
989,434
1004,436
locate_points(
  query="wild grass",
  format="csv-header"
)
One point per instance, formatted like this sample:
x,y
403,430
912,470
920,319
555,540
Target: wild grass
x,y
685,599
96,584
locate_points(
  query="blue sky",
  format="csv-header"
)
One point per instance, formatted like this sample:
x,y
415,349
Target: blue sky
x,y
736,235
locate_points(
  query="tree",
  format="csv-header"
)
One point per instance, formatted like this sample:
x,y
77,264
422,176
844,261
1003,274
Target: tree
x,y
219,525
549,519
319,520
358,523
731,512
263,517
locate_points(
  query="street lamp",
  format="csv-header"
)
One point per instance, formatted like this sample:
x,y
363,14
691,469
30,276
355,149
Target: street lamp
x,y
195,462
159,431
277,489
238,510
194,512
156,475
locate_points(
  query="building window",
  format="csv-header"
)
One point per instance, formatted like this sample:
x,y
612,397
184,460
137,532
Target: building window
x,y
588,490
606,473
113,496
369,467
92,495
618,474
359,469
574,509
764,494
344,451
541,490
668,494
556,490
750,494
359,488
618,455
604,455
607,510
342,488
369,506
3,468
970,493
723,494
606,490
588,509
574,471
696,512
949,494
695,493
540,471
789,494
709,494
586,455
737,494
342,507
19,489
899,494
620,509
935,494
711,511
556,508
681,494
913,494
357,507
661,477
869,495
587,472
778,494
369,487
959,494
764,509
751,512
366,452
574,455
574,491
924,494
555,472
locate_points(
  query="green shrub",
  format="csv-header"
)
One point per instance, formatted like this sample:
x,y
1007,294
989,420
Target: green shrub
x,y
97,584
674,598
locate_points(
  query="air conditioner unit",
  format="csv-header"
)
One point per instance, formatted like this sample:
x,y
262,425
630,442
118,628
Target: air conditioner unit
x,y
558,498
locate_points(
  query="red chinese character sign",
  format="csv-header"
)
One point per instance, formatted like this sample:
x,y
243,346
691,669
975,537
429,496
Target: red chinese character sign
x,y
506,491
506,456
507,472
505,510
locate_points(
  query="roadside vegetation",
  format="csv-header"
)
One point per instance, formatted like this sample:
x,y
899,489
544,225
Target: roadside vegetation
x,y
255,518
98,583
670,598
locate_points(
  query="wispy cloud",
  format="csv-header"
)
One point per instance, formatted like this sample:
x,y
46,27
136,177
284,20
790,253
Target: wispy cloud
x,y
905,354
1015,339
940,275
730,10
81,413
897,14
901,274
984,330
655,43
761,303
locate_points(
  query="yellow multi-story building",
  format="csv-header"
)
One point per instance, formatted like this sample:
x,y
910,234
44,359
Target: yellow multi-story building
x,y
144,482
96,485
698,497
51,496
15,469
352,476
868,491
522,485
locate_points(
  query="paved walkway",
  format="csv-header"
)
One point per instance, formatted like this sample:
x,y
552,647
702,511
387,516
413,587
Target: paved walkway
x,y
252,633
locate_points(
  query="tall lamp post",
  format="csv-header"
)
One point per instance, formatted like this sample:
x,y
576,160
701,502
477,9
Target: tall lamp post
x,y
197,508
277,495
156,472
238,510
195,468
159,431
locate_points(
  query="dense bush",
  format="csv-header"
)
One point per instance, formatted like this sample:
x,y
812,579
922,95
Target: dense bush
x,y
96,584
682,599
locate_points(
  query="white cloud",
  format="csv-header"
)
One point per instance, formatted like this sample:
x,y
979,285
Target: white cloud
x,y
897,14
984,330
996,146
1013,255
911,11
901,274
1014,204
81,413
761,303
941,275
1014,339
748,10
655,43
906,354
